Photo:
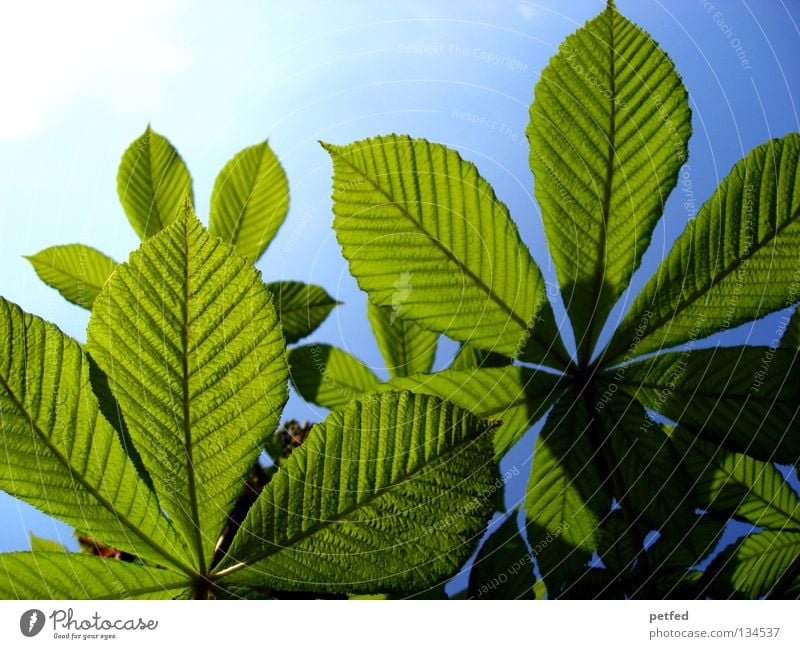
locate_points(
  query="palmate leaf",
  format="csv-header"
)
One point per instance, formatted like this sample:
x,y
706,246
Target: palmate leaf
x,y
732,483
566,497
301,307
250,200
608,133
190,342
76,271
503,568
515,396
406,348
425,235
754,565
152,183
389,494
744,398
56,575
735,262
59,453
328,376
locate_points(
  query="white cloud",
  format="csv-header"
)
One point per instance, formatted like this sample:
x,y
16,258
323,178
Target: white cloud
x,y
53,53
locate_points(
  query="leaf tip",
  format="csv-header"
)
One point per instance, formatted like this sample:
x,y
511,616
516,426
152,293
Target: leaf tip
x,y
187,206
330,148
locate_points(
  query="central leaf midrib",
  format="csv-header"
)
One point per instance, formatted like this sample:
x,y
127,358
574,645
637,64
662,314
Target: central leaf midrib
x,y
155,207
74,276
602,239
186,402
768,504
403,353
344,514
449,254
87,485
774,547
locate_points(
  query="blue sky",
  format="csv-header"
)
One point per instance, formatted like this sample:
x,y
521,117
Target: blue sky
x,y
80,81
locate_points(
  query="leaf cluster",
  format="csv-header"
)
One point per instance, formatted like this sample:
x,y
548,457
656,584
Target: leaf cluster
x,y
147,438
430,242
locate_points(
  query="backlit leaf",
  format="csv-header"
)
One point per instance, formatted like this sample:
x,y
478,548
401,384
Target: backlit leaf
x,y
152,183
329,376
389,494
735,262
189,340
608,133
250,200
406,347
76,271
426,236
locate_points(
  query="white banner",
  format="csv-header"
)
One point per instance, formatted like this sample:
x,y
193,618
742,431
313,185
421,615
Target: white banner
x,y
388,624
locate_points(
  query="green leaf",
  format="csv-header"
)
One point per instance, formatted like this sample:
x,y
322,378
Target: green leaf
x,y
614,548
566,498
56,575
76,271
791,337
754,565
328,376
791,590
109,408
503,568
301,308
59,453
190,342
515,396
469,357
425,235
152,183
389,494
406,347
744,398
732,483
250,200
608,133
656,483
735,262
39,544
681,548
